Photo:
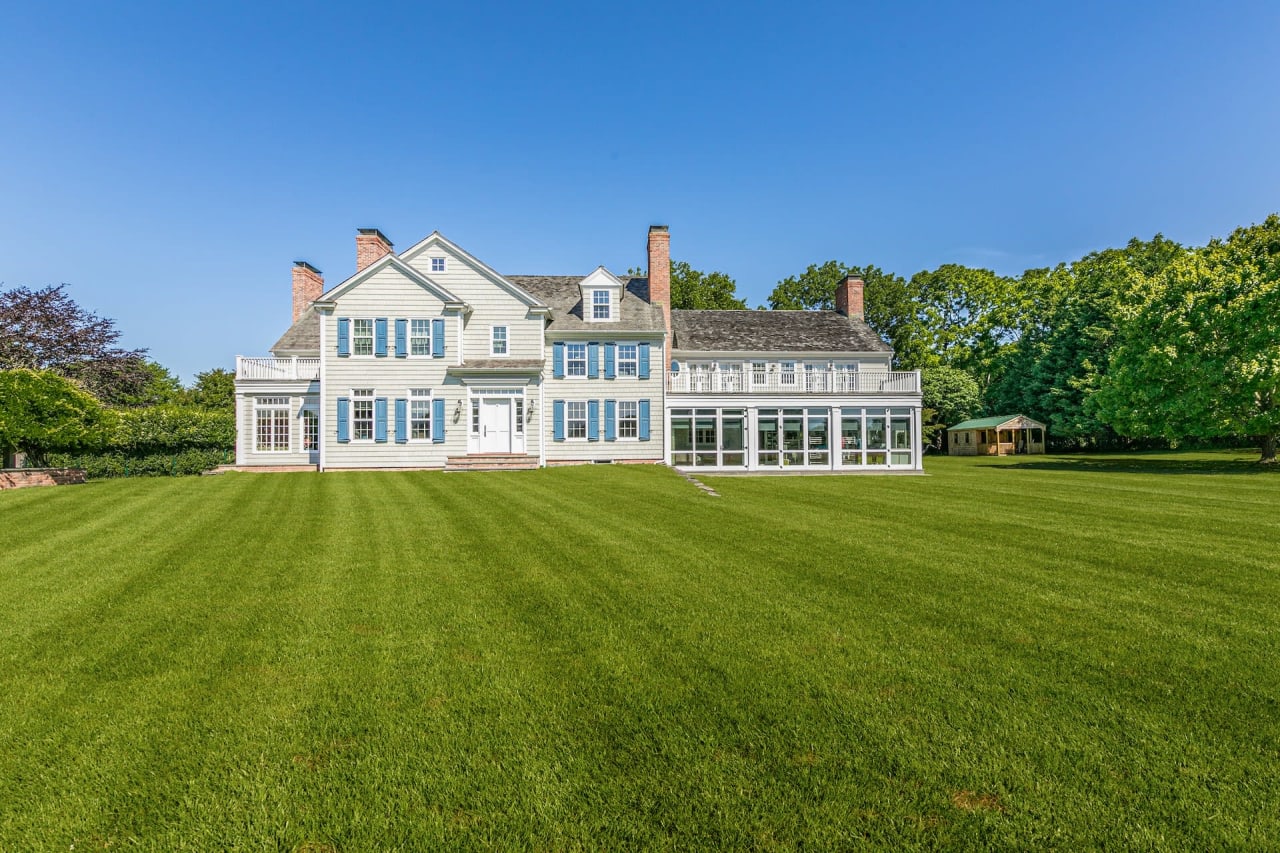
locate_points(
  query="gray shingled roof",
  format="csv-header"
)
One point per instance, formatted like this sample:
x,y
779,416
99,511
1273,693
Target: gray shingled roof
x,y
772,331
562,294
303,336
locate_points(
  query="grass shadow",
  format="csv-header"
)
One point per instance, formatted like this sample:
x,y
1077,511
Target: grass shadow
x,y
1130,463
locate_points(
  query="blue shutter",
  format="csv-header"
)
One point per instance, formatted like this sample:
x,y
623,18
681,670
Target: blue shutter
x,y
675,366
380,419
643,357
557,418
344,336
557,360
644,420
402,338
437,420
402,417
380,336
593,420
609,370
437,339
593,361
344,419
610,420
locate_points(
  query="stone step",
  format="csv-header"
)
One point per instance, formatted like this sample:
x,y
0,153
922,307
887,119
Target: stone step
x,y
491,462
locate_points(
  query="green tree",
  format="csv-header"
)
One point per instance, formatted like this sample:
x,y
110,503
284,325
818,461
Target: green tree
x,y
214,389
158,387
967,317
1069,327
42,412
888,305
694,289
1202,357
950,395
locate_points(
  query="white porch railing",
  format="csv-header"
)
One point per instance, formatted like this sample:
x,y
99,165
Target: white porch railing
x,y
278,369
799,381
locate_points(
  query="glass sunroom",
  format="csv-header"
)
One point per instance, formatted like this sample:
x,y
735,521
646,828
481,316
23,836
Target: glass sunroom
x,y
797,438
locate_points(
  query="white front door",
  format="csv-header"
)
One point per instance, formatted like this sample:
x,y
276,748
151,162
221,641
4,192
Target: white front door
x,y
495,425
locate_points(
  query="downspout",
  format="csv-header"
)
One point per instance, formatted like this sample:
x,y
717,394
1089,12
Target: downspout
x,y
324,434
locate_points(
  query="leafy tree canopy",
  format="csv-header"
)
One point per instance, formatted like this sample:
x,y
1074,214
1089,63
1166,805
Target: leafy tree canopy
x,y
1201,358
694,289
214,389
42,412
46,330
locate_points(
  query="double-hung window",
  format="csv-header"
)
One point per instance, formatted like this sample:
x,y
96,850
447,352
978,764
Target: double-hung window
x,y
575,419
362,337
600,305
419,337
419,414
271,424
498,340
362,414
628,361
575,359
628,419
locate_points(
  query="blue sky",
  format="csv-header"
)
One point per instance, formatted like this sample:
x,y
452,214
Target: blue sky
x,y
171,161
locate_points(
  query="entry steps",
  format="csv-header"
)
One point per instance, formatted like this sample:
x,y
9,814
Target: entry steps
x,y
491,462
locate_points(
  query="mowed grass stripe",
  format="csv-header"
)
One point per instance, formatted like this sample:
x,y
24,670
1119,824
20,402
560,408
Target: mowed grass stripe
x,y
607,658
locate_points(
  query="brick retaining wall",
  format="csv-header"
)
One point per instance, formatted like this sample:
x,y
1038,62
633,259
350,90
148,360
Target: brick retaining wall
x,y
19,478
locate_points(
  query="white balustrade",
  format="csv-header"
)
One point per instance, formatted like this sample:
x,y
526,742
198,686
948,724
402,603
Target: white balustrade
x,y
278,369
798,381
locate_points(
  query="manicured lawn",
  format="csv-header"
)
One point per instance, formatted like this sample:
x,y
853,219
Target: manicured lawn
x,y
1055,653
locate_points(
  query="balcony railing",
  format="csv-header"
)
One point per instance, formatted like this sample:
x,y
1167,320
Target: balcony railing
x,y
798,381
278,369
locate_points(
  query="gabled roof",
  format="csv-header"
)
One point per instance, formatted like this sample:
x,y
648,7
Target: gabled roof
x,y
772,331
564,294
302,337
435,238
997,421
392,260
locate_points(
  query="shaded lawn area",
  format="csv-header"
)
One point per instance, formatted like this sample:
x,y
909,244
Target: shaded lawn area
x,y
1075,652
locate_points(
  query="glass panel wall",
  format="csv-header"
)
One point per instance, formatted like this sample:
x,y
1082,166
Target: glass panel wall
x,y
900,436
681,436
877,439
767,438
851,436
733,438
704,437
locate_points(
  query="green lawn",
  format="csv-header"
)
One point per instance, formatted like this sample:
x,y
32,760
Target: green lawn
x,y
1061,652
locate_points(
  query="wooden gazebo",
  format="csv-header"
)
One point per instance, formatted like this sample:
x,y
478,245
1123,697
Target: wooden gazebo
x,y
1001,435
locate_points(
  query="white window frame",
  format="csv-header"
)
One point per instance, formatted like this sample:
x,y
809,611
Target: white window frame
x,y
569,360
280,412
425,337
418,396
569,420
493,341
633,361
312,427
519,416
360,396
475,416
597,305
371,337
437,264
632,419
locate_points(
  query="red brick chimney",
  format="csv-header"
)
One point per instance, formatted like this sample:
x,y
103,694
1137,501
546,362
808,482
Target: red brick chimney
x,y
371,244
849,297
660,270
308,284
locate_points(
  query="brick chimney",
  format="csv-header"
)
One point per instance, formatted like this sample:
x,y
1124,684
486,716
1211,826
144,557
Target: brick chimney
x,y
308,284
849,297
371,244
660,270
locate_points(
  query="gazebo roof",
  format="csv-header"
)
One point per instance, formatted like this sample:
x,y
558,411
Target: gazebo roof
x,y
998,422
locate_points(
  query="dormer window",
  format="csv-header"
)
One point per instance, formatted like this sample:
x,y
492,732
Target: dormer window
x,y
601,305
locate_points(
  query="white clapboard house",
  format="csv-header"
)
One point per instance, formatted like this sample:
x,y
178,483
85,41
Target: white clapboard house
x,y
429,358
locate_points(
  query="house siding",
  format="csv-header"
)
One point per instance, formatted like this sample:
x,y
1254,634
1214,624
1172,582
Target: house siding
x,y
301,395
619,389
